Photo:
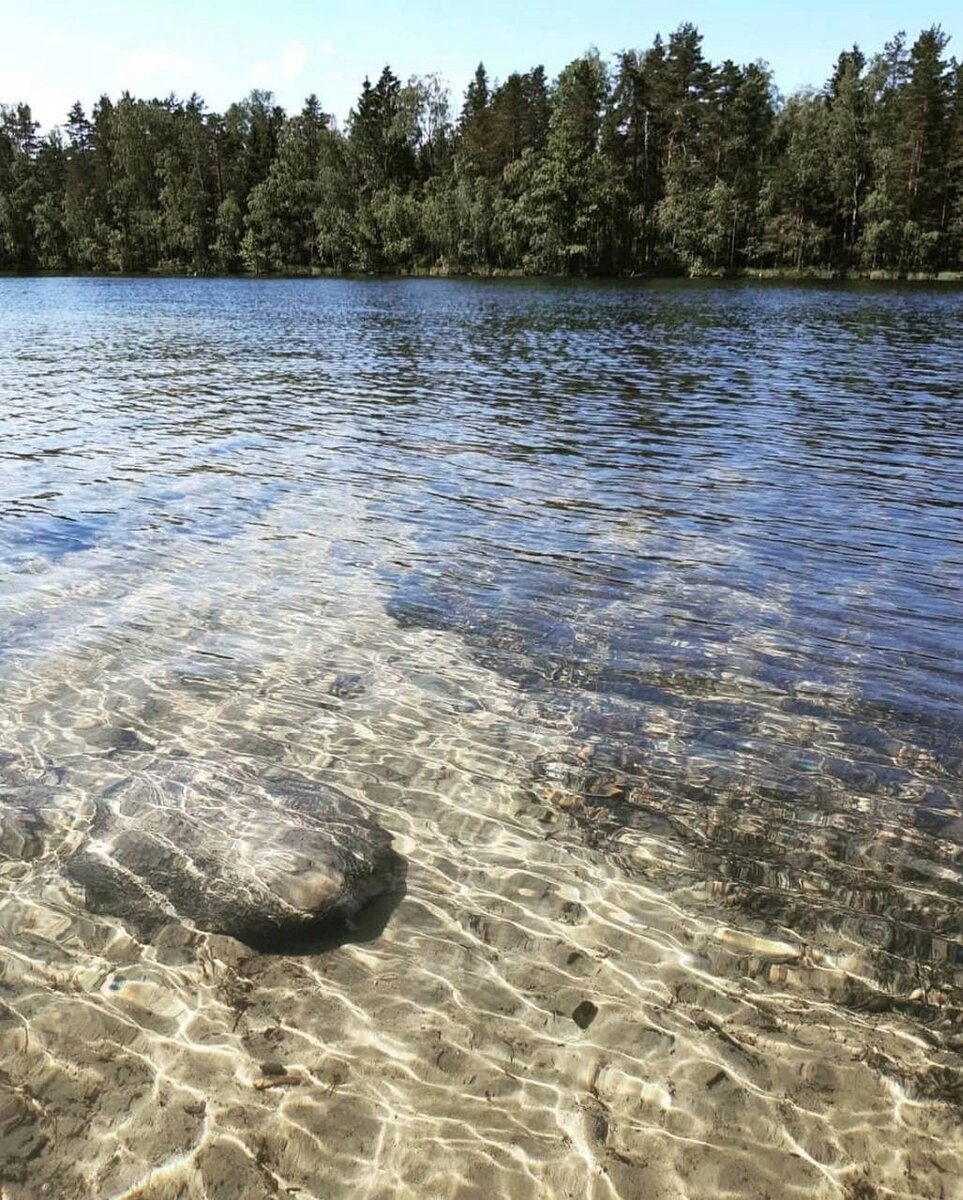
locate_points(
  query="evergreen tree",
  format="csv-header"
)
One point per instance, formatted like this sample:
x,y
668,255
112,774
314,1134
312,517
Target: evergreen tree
x,y
382,134
473,136
18,185
570,219
665,163
849,148
926,103
281,231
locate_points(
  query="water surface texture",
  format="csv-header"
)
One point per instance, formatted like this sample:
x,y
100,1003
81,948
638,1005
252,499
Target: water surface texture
x,y
634,613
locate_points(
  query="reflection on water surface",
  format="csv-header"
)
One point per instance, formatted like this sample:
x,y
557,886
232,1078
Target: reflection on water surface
x,y
634,613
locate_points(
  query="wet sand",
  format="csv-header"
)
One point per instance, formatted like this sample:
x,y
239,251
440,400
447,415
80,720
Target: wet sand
x,y
713,1055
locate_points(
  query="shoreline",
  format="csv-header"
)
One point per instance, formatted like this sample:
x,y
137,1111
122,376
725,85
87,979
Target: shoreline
x,y
743,274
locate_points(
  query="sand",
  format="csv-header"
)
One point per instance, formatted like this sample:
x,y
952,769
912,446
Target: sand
x,y
438,1058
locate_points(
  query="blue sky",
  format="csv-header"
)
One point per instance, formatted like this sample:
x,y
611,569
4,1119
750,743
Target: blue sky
x,y
56,52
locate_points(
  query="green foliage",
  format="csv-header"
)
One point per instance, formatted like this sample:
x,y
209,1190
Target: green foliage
x,y
657,161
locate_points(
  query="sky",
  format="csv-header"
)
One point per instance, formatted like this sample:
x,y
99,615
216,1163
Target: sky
x,y
58,52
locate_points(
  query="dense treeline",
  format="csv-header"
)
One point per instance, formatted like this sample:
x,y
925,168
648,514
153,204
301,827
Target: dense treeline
x,y
659,162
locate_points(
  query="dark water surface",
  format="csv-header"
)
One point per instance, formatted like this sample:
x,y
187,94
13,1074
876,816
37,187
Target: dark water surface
x,y
710,535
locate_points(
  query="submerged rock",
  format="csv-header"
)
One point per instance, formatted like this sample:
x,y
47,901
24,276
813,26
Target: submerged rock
x,y
265,861
25,808
585,1013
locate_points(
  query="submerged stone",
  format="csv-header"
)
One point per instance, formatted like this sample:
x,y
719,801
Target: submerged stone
x,y
265,860
25,806
585,1013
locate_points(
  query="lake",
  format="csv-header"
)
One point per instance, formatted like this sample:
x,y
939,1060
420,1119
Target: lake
x,y
633,611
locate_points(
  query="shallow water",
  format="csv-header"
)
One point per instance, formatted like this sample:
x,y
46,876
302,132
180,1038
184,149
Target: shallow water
x,y
634,613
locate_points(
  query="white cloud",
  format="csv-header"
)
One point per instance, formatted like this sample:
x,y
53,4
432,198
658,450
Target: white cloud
x,y
294,56
325,47
287,66
148,60
156,70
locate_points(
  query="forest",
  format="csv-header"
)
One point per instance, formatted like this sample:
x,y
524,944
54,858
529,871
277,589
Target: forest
x,y
655,162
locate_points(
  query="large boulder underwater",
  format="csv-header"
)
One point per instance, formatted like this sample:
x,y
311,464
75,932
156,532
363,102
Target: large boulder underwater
x,y
269,860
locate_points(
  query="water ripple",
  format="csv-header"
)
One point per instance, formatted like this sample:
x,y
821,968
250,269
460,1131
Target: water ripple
x,y
634,612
